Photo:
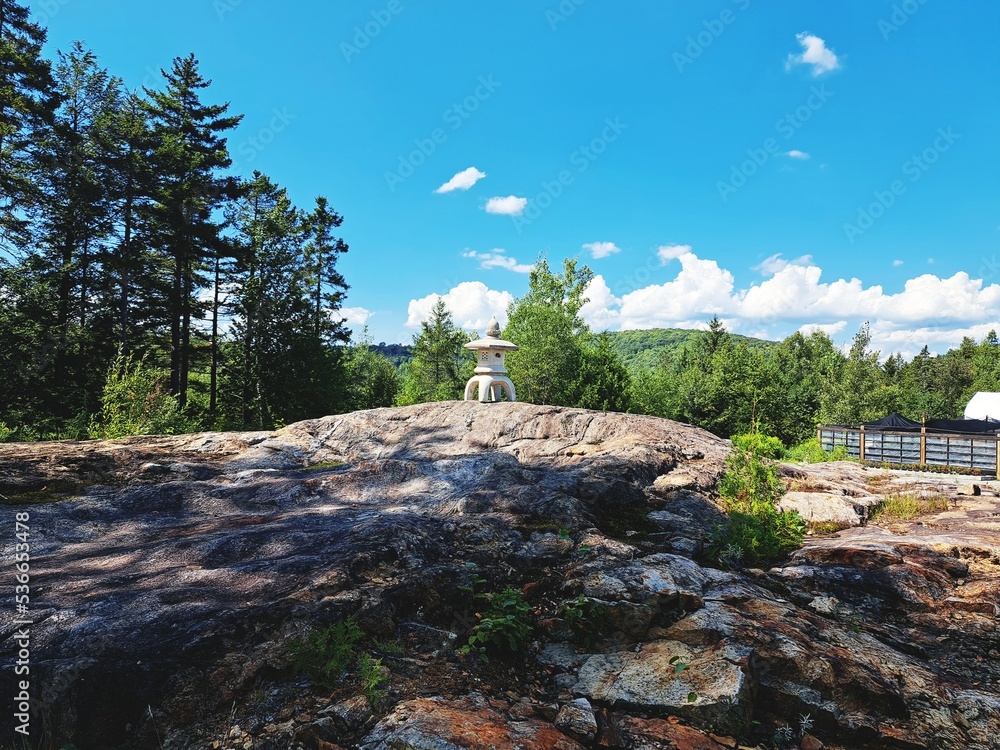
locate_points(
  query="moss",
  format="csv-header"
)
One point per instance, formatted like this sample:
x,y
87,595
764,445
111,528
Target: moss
x,y
325,465
52,492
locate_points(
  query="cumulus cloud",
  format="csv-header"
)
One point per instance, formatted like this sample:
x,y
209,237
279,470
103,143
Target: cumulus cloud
x,y
830,329
497,258
354,316
667,253
929,309
509,206
462,181
814,53
470,303
796,154
602,249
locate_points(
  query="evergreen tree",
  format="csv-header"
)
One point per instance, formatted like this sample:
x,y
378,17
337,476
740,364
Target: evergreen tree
x,y
441,365
372,380
859,392
328,285
27,103
190,150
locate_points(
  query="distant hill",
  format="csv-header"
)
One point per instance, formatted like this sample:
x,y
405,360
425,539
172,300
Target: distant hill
x,y
642,350
395,353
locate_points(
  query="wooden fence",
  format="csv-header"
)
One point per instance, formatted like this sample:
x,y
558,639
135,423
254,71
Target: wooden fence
x,y
917,448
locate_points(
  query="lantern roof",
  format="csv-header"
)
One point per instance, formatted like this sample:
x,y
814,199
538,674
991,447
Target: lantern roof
x,y
492,340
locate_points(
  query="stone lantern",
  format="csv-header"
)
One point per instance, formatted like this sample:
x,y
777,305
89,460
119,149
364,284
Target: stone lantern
x,y
491,377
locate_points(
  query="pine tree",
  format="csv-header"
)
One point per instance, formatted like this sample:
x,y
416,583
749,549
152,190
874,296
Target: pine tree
x,y
328,285
27,103
441,365
190,149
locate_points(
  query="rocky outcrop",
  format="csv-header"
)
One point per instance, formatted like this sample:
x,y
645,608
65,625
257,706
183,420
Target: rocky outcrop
x,y
171,578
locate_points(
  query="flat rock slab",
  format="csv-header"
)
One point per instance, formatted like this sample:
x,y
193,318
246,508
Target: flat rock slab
x,y
714,687
464,724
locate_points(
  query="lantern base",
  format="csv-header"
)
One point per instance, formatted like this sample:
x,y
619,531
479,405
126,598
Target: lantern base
x,y
491,388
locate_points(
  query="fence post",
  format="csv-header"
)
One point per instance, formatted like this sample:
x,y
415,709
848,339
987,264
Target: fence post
x,y
923,445
861,444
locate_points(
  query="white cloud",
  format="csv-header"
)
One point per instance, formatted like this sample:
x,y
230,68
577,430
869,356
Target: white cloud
x,y
929,309
796,154
462,181
774,264
815,53
897,263
354,316
497,258
602,249
509,206
600,311
830,329
667,253
471,304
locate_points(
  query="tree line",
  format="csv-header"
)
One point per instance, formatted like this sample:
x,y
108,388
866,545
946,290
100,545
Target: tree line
x,y
144,288
135,266
724,383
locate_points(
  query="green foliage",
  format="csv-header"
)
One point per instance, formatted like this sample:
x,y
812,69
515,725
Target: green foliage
x,y
560,361
326,654
906,507
372,381
504,627
373,677
5,432
759,444
441,365
584,618
756,532
811,452
136,402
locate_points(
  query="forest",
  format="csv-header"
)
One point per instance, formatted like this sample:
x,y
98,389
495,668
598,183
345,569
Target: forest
x,y
146,288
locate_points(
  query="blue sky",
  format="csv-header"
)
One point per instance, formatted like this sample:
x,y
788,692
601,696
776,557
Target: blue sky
x,y
778,164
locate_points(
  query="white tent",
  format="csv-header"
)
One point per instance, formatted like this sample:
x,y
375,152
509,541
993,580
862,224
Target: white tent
x,y
984,405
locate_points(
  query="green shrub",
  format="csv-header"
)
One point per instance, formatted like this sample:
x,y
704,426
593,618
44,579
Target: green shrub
x,y
135,401
756,532
583,617
326,654
5,432
811,452
759,444
503,628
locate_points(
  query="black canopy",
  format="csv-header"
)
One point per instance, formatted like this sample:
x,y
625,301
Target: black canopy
x,y
896,422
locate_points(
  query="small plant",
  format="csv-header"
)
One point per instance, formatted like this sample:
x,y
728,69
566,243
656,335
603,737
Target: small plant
x,y
583,617
373,677
5,432
504,627
750,489
903,507
326,654
679,663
